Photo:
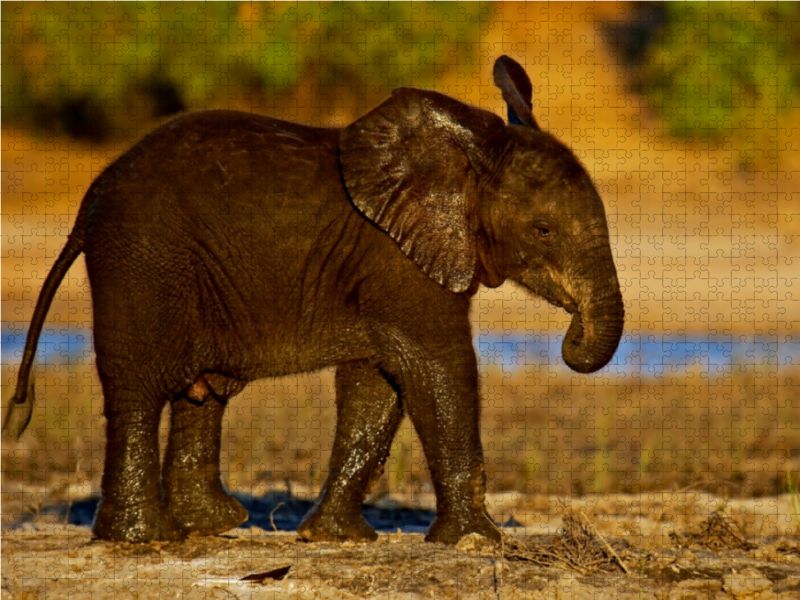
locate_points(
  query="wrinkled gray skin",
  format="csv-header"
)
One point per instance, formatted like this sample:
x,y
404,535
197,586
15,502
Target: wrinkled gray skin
x,y
227,247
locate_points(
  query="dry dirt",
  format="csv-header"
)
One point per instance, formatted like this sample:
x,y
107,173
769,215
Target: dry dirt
x,y
650,535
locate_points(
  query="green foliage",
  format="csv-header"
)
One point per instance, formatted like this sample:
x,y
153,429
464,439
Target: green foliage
x,y
120,55
723,66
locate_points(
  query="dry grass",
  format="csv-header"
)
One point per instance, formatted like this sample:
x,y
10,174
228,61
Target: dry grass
x,y
547,433
718,532
579,547
733,433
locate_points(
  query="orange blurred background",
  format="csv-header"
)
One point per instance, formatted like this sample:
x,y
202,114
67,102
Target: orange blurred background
x,y
702,246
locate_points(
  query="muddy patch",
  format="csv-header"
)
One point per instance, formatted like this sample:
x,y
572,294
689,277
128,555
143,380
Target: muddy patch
x,y
275,511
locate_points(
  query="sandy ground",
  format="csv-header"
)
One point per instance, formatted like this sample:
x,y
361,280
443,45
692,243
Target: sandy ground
x,y
45,558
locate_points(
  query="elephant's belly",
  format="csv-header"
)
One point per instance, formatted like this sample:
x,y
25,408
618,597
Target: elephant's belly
x,y
277,324
283,352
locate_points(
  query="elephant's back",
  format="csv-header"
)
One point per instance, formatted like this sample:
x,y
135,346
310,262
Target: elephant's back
x,y
211,162
224,183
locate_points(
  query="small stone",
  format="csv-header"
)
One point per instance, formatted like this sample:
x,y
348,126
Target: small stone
x,y
768,552
687,556
475,543
395,538
748,585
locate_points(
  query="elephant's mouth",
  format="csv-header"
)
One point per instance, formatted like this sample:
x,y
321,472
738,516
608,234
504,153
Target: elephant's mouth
x,y
574,334
548,288
569,305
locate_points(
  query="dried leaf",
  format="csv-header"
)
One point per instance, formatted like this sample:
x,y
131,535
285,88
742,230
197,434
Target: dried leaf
x,y
276,575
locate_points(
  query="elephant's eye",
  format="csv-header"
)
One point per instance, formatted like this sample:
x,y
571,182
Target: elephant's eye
x,y
544,232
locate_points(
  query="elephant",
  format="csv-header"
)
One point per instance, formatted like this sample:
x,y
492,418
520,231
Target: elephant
x,y
226,247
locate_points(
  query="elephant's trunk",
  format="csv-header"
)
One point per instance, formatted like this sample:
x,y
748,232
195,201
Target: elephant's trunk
x,y
596,327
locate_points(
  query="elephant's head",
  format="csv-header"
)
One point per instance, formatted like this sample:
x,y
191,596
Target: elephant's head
x,y
469,198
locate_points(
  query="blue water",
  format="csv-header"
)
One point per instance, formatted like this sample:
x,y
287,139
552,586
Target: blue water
x,y
648,355
57,345
651,354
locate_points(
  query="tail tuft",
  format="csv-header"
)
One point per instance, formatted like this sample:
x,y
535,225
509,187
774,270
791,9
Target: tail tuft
x,y
20,410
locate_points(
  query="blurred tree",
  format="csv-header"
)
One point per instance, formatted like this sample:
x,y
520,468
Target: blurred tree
x,y
88,67
725,69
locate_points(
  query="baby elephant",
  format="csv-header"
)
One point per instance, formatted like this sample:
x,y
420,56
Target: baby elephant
x,y
227,247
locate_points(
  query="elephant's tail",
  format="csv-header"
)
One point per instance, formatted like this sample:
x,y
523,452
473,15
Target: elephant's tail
x,y
20,407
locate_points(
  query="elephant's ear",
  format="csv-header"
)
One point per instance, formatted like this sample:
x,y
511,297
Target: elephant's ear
x,y
409,166
517,90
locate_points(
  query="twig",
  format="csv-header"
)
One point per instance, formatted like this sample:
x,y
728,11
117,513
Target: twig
x,y
620,562
271,520
498,579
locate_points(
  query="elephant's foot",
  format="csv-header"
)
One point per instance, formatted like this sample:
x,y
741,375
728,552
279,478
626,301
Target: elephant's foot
x,y
149,522
208,511
329,524
448,529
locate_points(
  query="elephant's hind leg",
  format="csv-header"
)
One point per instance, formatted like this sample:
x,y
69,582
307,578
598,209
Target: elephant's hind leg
x,y
132,508
194,491
368,415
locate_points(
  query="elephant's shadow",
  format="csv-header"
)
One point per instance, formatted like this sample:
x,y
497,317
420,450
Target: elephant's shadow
x,y
288,513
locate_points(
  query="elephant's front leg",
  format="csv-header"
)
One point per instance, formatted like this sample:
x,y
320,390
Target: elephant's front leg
x,y
368,415
194,491
441,395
